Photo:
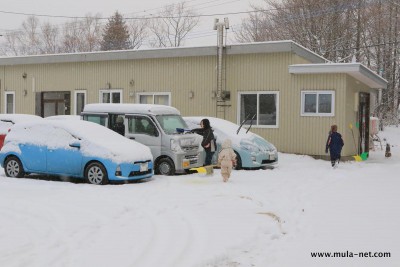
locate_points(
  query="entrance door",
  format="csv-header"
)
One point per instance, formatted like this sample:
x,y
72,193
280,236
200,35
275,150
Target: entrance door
x,y
55,103
363,121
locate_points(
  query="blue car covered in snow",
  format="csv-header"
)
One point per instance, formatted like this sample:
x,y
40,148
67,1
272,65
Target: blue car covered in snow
x,y
76,149
252,151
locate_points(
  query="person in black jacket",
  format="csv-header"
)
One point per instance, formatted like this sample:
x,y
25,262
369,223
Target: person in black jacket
x,y
119,126
208,142
334,144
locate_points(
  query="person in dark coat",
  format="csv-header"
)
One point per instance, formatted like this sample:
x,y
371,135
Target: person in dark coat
x,y
334,144
119,126
208,142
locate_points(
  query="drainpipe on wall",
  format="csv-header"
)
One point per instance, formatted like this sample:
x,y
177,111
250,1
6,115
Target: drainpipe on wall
x,y
220,26
219,66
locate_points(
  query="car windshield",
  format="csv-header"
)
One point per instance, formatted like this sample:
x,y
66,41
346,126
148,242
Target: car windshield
x,y
169,123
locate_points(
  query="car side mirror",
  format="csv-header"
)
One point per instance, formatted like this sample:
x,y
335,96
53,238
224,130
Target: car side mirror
x,y
75,144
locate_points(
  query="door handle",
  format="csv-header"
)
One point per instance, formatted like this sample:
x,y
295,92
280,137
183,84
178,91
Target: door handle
x,y
133,138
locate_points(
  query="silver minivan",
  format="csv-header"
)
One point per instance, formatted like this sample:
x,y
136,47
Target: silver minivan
x,y
156,127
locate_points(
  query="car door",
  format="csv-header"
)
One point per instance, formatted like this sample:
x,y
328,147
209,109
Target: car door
x,y
33,157
33,154
142,129
61,157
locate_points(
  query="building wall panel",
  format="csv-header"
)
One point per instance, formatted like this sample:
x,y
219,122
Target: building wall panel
x,y
197,76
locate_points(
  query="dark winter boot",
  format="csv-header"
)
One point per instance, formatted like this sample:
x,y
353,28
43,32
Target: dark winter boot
x,y
333,162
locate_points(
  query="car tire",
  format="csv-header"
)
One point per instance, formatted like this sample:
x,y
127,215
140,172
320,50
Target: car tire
x,y
165,166
95,173
238,161
13,168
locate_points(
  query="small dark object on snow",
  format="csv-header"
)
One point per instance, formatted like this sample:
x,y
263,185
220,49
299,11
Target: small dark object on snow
x,y
388,154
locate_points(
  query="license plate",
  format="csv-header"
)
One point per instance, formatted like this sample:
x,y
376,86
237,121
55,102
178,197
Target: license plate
x,y
271,156
144,167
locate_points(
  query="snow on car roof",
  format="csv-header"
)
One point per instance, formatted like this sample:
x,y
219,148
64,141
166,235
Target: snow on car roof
x,y
15,118
131,108
97,140
64,117
8,120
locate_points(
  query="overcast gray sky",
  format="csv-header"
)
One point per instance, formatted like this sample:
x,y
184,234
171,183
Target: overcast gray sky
x,y
203,34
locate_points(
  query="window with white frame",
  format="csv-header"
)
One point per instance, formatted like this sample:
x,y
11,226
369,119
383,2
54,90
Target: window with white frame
x,y
318,103
111,96
154,98
259,108
9,105
80,101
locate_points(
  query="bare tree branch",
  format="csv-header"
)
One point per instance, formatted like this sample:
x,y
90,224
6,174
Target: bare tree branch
x,y
49,36
137,32
175,23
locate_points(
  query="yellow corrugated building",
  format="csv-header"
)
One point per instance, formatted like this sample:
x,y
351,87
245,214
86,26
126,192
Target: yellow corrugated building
x,y
294,93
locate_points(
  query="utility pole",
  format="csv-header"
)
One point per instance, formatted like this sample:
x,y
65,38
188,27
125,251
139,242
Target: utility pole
x,y
220,27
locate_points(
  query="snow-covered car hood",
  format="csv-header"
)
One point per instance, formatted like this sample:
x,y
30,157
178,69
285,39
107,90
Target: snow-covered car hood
x,y
258,142
225,129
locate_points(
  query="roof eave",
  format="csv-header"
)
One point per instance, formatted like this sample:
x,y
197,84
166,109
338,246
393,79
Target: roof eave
x,y
356,70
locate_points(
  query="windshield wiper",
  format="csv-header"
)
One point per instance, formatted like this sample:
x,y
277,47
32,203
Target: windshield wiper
x,y
251,123
247,117
5,120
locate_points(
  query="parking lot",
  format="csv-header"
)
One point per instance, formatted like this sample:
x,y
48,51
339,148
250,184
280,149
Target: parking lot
x,y
259,218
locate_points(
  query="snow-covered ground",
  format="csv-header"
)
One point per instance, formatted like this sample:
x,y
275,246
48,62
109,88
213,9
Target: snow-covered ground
x,y
259,218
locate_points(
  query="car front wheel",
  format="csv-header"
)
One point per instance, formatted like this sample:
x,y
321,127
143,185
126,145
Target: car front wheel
x,y
96,174
13,168
165,166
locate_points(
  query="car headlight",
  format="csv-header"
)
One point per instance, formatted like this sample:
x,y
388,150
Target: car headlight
x,y
270,148
250,148
273,149
175,146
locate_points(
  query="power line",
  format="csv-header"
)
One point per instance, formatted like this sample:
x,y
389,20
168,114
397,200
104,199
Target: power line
x,y
193,34
145,11
133,18
170,17
139,17
125,18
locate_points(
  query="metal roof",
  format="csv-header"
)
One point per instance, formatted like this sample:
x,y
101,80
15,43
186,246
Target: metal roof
x,y
356,70
247,48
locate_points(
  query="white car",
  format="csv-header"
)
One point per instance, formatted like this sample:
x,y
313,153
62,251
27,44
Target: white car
x,y
252,150
8,120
